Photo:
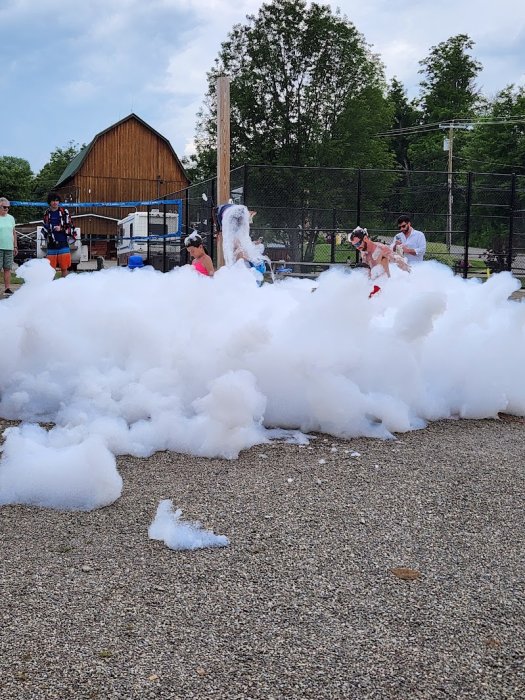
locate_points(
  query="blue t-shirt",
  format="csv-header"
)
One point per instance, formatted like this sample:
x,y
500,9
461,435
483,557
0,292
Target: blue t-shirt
x,y
56,240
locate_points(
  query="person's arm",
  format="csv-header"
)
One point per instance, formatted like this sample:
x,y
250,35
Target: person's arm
x,y
419,245
208,264
239,254
15,241
395,242
386,250
46,221
69,224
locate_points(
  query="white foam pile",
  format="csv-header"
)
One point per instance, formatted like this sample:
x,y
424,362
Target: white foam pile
x,y
131,362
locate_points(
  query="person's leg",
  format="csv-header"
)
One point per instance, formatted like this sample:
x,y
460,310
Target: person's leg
x,y
52,261
6,261
64,262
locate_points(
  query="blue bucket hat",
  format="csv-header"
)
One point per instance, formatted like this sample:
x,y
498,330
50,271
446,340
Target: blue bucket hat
x,y
135,261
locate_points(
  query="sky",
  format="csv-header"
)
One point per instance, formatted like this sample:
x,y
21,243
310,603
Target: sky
x,y
233,365
70,70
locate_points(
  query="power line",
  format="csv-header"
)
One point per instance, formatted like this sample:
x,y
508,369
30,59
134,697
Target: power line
x,y
490,163
460,123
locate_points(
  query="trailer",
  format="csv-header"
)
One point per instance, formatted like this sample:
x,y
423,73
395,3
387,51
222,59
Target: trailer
x,y
138,229
77,250
32,244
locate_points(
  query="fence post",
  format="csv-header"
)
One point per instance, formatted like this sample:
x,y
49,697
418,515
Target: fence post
x,y
358,207
187,211
245,185
182,248
467,224
164,231
512,204
213,231
359,192
332,239
148,224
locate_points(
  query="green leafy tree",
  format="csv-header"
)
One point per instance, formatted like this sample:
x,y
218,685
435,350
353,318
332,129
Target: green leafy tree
x,y
48,176
405,116
305,90
448,92
497,145
497,141
449,88
15,183
15,177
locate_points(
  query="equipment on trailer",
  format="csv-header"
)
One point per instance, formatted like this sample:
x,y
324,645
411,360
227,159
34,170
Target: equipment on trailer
x,y
135,229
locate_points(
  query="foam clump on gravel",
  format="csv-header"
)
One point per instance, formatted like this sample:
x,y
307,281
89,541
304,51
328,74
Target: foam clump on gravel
x,y
178,534
40,469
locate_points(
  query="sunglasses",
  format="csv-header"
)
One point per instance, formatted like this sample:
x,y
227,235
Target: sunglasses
x,y
5,208
402,227
357,244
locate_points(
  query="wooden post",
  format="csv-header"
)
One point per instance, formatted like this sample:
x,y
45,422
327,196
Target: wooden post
x,y
223,151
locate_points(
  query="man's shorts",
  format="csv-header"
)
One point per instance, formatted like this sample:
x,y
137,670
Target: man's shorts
x,y
59,259
6,259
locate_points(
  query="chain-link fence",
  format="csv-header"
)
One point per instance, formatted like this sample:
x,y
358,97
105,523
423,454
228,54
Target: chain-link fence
x,y
151,229
473,222
162,241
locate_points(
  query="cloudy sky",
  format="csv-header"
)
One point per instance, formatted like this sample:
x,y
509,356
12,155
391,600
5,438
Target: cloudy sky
x,y
70,70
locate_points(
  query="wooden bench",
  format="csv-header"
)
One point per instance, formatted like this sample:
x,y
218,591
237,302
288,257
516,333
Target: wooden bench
x,y
309,270
306,275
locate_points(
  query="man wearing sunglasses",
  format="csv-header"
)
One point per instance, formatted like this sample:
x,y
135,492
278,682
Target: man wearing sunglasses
x,y
8,247
413,243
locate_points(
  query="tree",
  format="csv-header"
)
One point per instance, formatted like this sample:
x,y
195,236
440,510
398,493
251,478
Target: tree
x,y
15,182
15,177
448,92
497,142
48,176
405,116
497,145
305,90
449,88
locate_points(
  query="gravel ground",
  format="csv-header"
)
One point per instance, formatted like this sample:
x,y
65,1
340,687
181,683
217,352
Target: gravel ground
x,y
303,604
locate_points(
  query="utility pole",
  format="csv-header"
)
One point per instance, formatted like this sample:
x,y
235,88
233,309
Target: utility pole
x,y
223,151
448,145
449,186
